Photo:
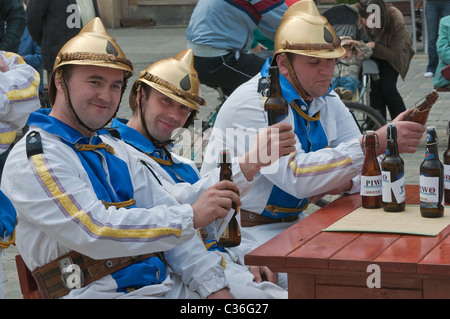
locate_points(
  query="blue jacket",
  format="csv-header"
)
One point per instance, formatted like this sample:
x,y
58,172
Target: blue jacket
x,y
229,24
31,53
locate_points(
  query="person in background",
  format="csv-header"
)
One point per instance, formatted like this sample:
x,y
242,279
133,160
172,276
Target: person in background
x,y
18,98
31,54
435,10
221,35
262,46
30,51
392,50
52,23
348,70
13,21
441,83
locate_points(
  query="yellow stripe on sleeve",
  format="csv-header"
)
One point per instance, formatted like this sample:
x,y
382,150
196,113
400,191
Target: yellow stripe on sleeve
x,y
318,168
28,92
7,137
100,230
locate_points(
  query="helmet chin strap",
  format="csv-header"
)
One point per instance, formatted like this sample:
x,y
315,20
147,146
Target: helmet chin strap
x,y
63,83
297,86
144,125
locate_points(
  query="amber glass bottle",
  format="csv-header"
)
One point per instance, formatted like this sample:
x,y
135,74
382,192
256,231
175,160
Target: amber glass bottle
x,y
371,174
276,105
447,169
431,179
231,237
420,112
393,174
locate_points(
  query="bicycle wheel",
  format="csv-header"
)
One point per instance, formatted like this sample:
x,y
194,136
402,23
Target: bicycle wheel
x,y
366,117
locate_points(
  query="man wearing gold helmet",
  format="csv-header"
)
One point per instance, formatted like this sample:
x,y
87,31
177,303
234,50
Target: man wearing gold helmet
x,y
166,97
85,205
328,156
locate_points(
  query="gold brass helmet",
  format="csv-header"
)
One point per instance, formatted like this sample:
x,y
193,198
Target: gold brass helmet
x,y
174,77
303,30
92,46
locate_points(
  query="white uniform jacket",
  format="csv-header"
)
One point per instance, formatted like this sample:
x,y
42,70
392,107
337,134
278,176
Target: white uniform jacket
x,y
300,174
184,192
240,279
59,211
18,97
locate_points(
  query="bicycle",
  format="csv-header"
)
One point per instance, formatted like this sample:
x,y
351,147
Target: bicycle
x,y
206,126
365,116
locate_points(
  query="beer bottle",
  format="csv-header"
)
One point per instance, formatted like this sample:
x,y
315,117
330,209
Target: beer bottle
x,y
231,236
276,105
420,112
393,174
447,169
431,179
371,174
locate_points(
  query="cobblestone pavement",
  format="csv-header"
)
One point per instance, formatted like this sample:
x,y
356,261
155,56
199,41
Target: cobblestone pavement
x,y
145,46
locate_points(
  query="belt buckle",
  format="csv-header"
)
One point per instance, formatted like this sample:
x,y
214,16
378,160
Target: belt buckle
x,y
71,275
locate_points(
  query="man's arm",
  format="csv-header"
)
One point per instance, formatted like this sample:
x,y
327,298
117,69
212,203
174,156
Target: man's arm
x,y
270,144
409,135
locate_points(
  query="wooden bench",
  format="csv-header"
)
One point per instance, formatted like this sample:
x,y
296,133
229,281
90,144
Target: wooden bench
x,y
28,285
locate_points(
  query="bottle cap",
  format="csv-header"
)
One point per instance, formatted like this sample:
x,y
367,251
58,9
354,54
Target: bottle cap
x,y
224,156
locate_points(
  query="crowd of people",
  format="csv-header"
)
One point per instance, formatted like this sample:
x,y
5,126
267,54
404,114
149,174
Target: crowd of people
x,y
83,184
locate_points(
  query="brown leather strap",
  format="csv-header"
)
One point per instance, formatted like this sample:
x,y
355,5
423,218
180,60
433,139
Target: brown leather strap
x,y
249,219
51,277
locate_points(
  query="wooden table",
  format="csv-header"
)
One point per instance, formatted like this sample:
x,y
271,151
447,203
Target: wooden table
x,y
335,264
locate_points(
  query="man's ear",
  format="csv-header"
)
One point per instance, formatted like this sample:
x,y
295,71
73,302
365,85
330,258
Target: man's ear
x,y
57,80
281,62
140,97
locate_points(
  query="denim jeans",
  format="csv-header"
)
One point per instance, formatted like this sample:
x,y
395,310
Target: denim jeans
x,y
346,82
434,11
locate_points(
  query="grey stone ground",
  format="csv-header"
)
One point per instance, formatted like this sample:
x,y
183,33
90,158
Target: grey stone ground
x,y
145,46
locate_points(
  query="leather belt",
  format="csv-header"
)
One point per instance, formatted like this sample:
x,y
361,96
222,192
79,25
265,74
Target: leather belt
x,y
249,219
74,270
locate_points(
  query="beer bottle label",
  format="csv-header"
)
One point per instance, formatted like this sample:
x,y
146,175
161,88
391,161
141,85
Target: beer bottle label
x,y
371,185
429,191
226,233
446,176
398,188
222,223
388,188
